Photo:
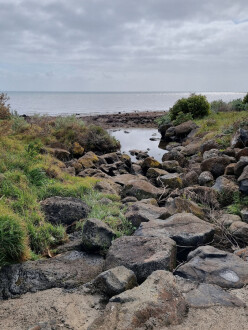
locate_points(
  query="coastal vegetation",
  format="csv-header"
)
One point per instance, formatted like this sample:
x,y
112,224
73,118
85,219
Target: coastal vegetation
x,y
30,173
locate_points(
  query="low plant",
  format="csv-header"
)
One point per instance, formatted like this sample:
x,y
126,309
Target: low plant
x,y
181,118
4,107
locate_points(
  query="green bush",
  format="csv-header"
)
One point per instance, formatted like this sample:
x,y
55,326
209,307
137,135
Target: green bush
x,y
237,105
181,118
197,105
4,108
245,99
164,120
95,138
13,240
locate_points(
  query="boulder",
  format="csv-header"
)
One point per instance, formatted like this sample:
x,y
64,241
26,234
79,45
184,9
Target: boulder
x,y
207,295
66,270
96,236
143,255
227,219
180,205
202,195
77,150
155,304
113,281
141,189
206,179
175,155
172,145
61,154
239,230
64,210
92,172
240,139
143,212
244,215
241,153
185,128
109,158
163,128
171,166
209,265
124,179
89,160
190,179
215,165
192,148
153,173
239,167
211,154
243,181
226,188
130,199
150,162
170,180
108,187
229,170
184,228
208,145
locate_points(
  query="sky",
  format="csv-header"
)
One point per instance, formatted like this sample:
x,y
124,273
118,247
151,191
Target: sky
x,y
124,45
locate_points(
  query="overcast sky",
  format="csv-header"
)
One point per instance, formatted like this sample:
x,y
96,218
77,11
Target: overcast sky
x,y
124,45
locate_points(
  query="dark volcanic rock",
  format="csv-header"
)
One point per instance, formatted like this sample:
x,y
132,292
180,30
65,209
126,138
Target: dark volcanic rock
x,y
210,265
155,304
240,139
96,236
184,228
113,281
141,189
143,255
142,212
215,165
64,210
66,270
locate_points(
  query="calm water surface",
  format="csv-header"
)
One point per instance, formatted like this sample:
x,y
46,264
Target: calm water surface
x,y
52,103
139,138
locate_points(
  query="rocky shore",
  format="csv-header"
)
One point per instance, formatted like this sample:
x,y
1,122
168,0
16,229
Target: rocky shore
x,y
125,120
185,266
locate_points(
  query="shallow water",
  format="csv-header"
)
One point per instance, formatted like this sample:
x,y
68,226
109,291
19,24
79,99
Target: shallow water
x,y
139,138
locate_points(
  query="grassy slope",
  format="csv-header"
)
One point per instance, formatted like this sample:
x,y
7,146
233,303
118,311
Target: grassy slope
x,y
26,178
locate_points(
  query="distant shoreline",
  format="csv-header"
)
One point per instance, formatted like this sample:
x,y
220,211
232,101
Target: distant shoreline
x,y
142,119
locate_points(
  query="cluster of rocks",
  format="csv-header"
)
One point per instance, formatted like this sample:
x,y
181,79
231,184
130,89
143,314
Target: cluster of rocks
x,y
174,260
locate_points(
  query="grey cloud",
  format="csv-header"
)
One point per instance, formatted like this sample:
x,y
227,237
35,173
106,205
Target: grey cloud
x,y
154,43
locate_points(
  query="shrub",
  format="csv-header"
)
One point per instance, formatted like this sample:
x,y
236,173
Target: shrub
x,y
245,99
164,120
219,106
95,138
4,108
196,105
237,105
19,124
13,239
181,118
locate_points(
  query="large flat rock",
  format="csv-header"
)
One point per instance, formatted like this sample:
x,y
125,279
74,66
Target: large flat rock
x,y
141,189
184,228
143,255
66,270
209,265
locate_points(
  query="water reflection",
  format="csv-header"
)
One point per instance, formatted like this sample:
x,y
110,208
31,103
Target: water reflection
x,y
139,138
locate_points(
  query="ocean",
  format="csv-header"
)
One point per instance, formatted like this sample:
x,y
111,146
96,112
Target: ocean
x,y
89,103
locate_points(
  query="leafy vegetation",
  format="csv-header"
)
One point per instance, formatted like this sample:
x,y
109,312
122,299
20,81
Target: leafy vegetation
x,y
29,175
196,105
